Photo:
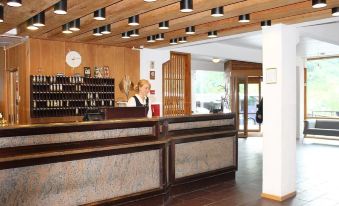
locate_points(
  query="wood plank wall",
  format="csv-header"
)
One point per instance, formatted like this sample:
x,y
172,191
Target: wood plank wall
x,y
177,85
3,92
45,57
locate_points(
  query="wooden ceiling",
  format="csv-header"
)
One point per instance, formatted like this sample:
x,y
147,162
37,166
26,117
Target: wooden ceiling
x,y
151,13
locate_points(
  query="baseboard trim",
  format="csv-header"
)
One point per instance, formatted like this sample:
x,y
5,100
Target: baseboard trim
x,y
278,198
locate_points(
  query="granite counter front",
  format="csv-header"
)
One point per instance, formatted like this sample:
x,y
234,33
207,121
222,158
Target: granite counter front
x,y
116,161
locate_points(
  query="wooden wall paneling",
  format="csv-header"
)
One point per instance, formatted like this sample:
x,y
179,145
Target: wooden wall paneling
x,y
132,66
3,90
188,88
119,72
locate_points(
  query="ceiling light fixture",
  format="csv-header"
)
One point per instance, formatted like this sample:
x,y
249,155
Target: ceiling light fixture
x,y
105,29
215,60
160,37
186,6
65,29
1,13
151,39
61,7
212,34
96,32
335,11
133,20
217,12
190,30
318,4
245,18
39,19
74,25
265,24
134,33
125,35
100,14
182,39
150,0
164,25
173,41
30,25
14,3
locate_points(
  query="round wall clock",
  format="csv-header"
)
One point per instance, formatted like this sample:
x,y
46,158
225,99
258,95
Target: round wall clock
x,y
73,59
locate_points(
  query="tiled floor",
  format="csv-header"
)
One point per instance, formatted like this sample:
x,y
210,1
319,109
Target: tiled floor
x,y
317,179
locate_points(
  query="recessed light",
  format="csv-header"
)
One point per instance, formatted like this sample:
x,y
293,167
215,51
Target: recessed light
x,y
100,14
266,23
1,13
216,60
133,20
160,37
30,25
182,39
96,32
125,35
164,25
245,18
105,29
134,33
173,41
74,25
151,39
65,29
39,19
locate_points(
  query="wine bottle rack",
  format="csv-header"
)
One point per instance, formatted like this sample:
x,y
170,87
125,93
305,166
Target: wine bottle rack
x,y
59,96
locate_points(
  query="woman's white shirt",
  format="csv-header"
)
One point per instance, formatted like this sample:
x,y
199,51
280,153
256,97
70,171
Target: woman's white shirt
x,y
131,103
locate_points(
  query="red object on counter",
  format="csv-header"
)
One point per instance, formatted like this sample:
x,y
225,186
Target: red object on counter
x,y
155,110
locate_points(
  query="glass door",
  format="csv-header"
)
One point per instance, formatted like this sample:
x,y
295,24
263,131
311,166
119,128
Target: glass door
x,y
254,96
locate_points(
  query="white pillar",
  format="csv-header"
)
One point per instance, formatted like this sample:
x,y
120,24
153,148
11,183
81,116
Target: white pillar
x,y
279,126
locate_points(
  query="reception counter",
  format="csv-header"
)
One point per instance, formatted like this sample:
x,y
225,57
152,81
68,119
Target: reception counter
x,y
115,162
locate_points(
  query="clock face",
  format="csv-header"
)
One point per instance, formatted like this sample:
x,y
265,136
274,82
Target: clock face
x,y
73,59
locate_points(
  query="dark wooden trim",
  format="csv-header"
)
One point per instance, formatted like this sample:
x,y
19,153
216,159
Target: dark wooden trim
x,y
67,146
203,137
77,156
195,118
73,127
203,182
200,130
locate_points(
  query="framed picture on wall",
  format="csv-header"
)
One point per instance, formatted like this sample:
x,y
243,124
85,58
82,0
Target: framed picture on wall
x,y
152,75
271,75
98,72
87,71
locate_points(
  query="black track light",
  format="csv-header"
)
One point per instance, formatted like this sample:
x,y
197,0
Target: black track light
x,y
1,13
212,34
133,20
245,18
318,4
173,41
75,25
335,11
105,29
65,29
39,19
61,7
100,14
134,33
186,6
217,12
125,35
30,25
14,3
182,39
164,25
96,32
266,23
160,37
151,39
190,30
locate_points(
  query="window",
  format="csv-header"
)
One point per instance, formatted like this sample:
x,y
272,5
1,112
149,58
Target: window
x,y
208,89
323,88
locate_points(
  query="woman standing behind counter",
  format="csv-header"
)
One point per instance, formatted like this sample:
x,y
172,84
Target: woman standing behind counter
x,y
140,99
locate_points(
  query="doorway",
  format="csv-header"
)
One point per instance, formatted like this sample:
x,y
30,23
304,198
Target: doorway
x,y
247,99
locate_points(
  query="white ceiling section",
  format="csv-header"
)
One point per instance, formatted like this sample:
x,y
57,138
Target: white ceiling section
x,y
317,38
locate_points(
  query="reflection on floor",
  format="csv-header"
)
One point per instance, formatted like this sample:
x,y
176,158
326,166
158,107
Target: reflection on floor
x,y
317,179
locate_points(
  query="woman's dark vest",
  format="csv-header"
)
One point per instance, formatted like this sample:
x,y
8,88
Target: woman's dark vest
x,y
138,104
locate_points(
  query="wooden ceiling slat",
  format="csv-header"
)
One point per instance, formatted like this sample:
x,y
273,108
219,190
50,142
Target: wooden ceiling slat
x,y
115,13
274,14
76,9
154,17
231,11
14,16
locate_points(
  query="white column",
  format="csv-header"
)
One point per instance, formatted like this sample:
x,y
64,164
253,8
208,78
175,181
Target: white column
x,y
279,126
